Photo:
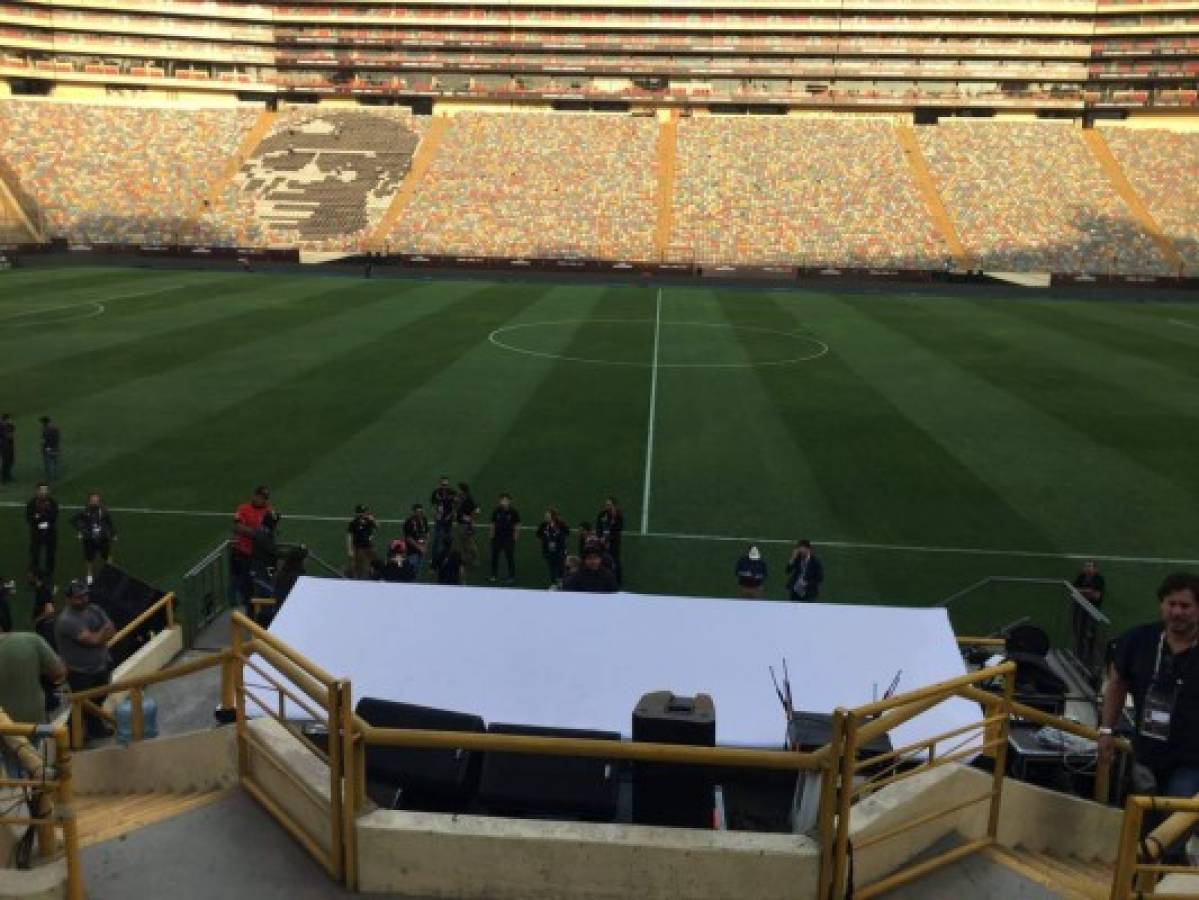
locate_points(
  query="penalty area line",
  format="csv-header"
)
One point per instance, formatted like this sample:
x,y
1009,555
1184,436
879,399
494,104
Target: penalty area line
x,y
671,536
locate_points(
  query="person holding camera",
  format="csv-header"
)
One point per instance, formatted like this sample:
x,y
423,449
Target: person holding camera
x,y
1158,664
41,514
94,526
805,573
360,542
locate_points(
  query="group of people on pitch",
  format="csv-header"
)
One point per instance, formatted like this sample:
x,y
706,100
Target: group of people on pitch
x,y
442,544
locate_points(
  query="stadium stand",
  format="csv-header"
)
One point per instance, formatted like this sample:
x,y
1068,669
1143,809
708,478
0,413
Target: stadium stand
x,y
1030,197
1161,165
546,185
117,174
807,192
320,180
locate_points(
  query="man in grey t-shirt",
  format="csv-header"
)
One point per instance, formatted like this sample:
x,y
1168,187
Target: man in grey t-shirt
x,y
83,630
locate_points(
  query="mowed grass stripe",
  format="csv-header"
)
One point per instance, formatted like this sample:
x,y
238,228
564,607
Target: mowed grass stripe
x,y
974,398
147,311
1120,349
1119,401
38,285
115,424
447,420
308,396
888,479
579,434
225,327
1130,403
727,461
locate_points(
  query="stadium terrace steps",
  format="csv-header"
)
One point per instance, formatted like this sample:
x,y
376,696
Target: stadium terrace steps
x,y
668,139
15,226
932,197
254,137
1068,876
106,817
1115,173
421,160
1031,197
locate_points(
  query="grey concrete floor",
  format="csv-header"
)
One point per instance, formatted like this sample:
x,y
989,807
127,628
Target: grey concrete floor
x,y
229,849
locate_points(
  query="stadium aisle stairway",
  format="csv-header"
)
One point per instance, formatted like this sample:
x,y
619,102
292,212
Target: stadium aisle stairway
x,y
668,140
421,160
999,873
932,197
106,817
1123,187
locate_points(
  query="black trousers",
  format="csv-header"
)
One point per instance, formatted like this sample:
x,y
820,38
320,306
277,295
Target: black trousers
x,y
7,456
242,577
507,548
556,563
43,551
83,681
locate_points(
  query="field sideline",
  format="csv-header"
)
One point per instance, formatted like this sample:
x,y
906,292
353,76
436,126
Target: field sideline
x,y
927,442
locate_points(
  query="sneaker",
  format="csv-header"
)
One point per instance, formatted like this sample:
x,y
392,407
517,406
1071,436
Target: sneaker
x,y
493,579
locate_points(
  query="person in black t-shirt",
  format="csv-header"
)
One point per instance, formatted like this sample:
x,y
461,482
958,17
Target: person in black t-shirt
x,y
416,533
465,512
1091,585
41,514
360,542
1158,664
505,528
441,504
594,577
96,532
8,447
609,527
51,447
553,533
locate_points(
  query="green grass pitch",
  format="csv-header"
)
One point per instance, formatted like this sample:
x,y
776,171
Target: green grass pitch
x,y
932,431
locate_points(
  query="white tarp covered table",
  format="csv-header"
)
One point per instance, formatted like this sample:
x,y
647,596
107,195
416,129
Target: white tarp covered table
x,y
583,660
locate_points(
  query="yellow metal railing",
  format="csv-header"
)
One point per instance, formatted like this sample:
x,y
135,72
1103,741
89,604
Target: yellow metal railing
x,y
50,784
91,699
164,603
1139,865
326,700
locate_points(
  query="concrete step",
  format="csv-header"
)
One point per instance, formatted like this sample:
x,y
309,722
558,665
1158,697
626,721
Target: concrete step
x,y
105,817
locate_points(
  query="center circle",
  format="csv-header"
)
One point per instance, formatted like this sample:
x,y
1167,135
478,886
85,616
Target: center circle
x,y
778,348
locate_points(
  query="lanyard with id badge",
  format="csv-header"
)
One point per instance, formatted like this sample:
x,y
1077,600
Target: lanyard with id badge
x,y
1160,698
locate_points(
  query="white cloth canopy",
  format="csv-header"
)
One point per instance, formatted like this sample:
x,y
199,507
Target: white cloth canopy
x,y
583,660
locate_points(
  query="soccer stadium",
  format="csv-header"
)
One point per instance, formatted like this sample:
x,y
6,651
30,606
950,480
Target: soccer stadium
x,y
599,449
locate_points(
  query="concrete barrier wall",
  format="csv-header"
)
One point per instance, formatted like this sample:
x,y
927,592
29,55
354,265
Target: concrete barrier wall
x,y
1030,817
182,763
293,777
48,882
430,855
149,658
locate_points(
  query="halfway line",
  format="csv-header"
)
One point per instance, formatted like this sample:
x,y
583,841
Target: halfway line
x,y
669,536
653,404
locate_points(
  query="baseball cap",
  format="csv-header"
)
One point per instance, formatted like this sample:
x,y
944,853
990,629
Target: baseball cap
x,y
263,490
77,588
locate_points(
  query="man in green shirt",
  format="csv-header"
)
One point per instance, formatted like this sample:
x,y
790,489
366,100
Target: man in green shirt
x,y
25,658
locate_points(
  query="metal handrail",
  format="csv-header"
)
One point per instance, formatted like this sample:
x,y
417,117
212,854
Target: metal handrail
x,y
166,601
596,749
1137,861
56,808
